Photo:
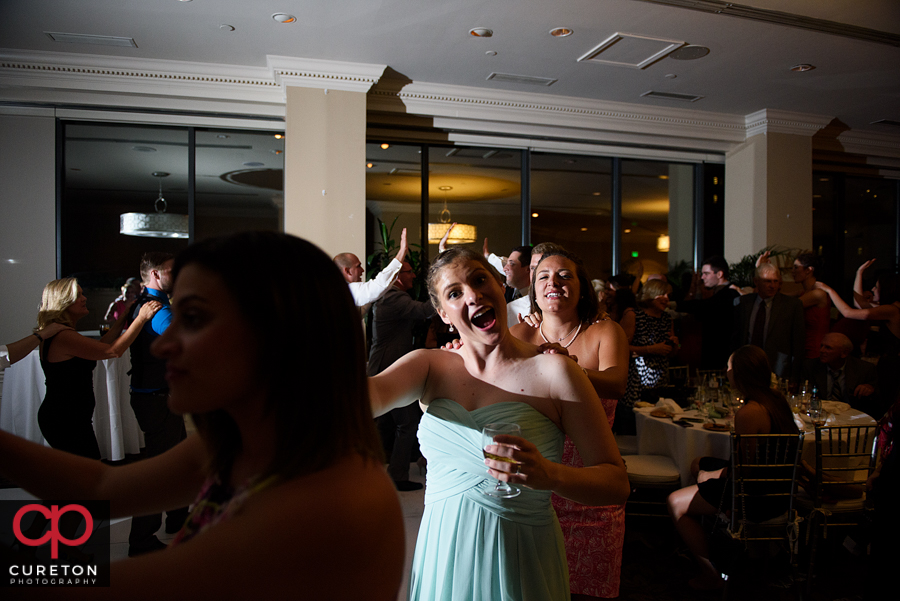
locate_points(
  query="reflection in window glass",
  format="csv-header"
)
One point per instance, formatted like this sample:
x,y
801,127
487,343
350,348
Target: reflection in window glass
x,y
480,187
108,170
240,182
657,215
571,205
393,192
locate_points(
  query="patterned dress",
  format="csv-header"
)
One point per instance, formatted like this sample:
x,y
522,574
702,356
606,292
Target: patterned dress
x,y
647,371
594,535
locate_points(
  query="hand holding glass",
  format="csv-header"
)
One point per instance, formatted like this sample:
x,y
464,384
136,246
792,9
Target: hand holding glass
x,y
502,490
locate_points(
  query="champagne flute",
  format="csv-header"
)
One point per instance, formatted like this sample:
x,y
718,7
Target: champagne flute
x,y
502,490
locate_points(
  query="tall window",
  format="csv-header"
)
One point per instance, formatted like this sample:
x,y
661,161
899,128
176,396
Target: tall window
x,y
108,170
571,205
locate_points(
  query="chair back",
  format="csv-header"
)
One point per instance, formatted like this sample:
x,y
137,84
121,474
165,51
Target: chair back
x,y
678,375
764,480
844,461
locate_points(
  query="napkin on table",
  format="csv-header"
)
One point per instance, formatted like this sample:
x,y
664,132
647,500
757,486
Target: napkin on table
x,y
669,405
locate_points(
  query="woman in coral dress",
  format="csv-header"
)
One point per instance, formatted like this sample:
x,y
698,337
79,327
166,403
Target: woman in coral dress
x,y
563,298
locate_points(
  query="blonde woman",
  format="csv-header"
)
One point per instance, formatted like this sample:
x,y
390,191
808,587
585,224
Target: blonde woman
x,y
68,361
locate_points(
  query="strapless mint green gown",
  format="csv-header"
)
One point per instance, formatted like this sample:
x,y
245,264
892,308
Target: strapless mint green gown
x,y
472,547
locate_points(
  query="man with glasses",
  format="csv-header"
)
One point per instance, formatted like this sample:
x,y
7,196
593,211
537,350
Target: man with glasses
x,y
712,300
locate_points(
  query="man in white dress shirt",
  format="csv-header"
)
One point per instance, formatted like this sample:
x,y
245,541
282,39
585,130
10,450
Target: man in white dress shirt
x,y
365,293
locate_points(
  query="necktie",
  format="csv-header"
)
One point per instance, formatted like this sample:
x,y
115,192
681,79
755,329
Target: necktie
x,y
836,393
758,336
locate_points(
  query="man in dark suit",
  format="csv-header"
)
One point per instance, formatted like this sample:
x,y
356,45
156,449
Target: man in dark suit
x,y
393,317
773,322
715,311
839,377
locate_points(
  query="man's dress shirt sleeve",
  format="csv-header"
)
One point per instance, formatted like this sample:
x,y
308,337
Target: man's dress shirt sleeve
x,y
368,292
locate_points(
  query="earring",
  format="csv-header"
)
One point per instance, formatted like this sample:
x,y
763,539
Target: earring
x,y
451,328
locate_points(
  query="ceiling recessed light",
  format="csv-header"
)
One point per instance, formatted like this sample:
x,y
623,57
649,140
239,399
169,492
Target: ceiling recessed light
x,y
370,165
627,231
596,193
491,53
671,76
802,67
561,32
481,32
535,215
689,53
584,229
385,146
279,136
284,18
277,151
225,27
445,188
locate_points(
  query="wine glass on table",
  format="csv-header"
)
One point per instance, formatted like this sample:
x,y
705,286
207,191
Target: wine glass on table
x,y
502,490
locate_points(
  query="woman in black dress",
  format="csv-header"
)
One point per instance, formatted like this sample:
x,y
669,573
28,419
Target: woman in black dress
x,y
68,359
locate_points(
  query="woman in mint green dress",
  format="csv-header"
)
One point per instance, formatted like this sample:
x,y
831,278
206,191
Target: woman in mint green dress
x,y
473,547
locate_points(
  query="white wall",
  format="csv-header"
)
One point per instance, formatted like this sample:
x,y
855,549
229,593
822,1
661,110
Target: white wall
x,y
27,216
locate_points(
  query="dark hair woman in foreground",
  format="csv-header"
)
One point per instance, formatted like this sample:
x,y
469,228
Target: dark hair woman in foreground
x,y
472,546
765,411
287,462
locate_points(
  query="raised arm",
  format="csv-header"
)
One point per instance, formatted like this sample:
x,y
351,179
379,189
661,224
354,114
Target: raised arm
x,y
880,312
859,299
72,344
442,245
400,384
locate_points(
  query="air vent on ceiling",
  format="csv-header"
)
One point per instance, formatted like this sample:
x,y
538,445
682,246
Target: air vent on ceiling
x,y
629,50
723,7
523,79
671,96
97,40
886,122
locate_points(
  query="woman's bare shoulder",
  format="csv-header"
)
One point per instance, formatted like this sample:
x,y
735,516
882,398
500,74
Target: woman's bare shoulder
x,y
523,331
297,535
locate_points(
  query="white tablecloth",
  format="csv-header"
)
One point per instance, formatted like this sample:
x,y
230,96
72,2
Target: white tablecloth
x,y
115,426
660,436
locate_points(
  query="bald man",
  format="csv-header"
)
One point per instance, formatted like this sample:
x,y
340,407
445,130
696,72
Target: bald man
x,y
838,376
366,293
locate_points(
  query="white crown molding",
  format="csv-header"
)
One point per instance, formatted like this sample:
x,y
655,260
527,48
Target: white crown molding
x,y
867,143
785,122
323,74
467,105
137,77
134,83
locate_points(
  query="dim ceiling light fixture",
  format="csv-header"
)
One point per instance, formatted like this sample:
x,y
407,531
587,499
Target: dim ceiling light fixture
x,y
802,68
284,18
561,32
481,32
155,225
385,146
462,233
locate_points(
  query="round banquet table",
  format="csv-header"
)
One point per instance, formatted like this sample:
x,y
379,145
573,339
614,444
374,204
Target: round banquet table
x,y
115,425
661,436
